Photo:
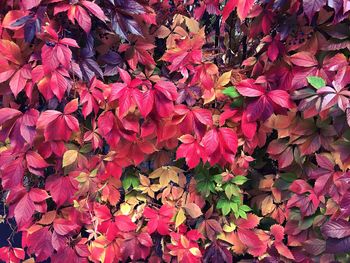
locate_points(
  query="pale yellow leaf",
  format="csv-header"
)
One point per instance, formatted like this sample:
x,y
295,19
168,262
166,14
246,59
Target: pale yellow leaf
x,y
69,157
180,218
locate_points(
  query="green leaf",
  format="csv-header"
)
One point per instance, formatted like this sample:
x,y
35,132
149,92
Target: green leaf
x,y
231,189
245,208
237,103
130,180
316,82
239,180
224,205
242,214
231,92
289,177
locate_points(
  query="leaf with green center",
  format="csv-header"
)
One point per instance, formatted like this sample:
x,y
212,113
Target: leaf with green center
x,y
231,92
316,82
130,180
239,180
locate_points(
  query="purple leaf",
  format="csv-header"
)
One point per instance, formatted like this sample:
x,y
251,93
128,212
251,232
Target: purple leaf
x,y
336,228
335,246
312,6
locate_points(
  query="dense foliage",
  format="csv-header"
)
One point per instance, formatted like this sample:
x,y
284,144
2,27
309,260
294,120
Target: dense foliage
x,y
175,131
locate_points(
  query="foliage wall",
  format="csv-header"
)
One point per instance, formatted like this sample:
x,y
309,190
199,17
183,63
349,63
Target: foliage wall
x,y
175,131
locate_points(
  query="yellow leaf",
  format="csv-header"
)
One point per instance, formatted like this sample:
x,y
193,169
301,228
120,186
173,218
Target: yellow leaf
x,y
192,25
166,174
125,208
69,157
229,228
195,251
224,79
76,204
180,218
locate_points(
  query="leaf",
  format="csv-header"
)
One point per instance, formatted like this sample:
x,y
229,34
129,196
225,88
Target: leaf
x,y
180,218
315,246
239,180
316,82
247,88
304,59
166,174
336,228
338,246
193,210
130,180
69,157
312,6
231,92
243,8
159,220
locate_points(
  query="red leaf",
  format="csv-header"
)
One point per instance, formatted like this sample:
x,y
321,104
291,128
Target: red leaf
x,y
284,250
64,227
304,59
94,9
281,97
159,220
61,189
35,160
278,232
249,89
83,18
210,141
71,106
229,7
243,8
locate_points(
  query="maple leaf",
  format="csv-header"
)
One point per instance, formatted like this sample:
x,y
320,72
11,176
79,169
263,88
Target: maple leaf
x,y
159,220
